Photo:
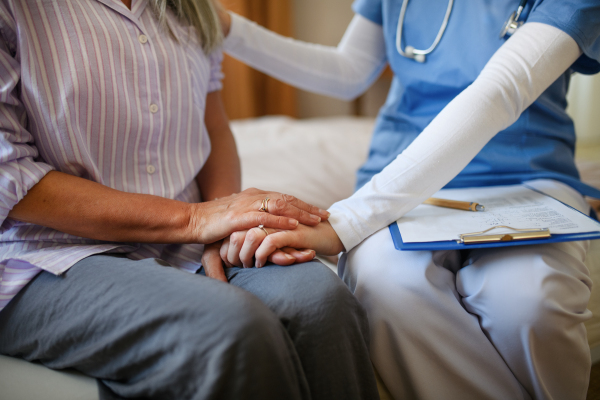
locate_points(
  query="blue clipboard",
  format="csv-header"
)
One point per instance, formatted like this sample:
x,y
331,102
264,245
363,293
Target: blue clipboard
x,y
454,245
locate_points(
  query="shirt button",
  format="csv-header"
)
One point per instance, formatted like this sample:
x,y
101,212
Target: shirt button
x,y
143,39
150,169
153,108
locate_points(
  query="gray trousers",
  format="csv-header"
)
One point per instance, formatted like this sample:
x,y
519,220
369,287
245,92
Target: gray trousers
x,y
146,330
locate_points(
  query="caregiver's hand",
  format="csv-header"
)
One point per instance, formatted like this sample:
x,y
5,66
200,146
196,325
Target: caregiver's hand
x,y
217,219
321,238
279,245
238,249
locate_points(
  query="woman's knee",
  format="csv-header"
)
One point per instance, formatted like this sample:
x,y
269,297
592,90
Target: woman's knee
x,y
228,315
201,342
316,299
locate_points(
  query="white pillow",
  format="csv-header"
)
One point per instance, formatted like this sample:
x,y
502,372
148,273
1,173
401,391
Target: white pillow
x,y
315,160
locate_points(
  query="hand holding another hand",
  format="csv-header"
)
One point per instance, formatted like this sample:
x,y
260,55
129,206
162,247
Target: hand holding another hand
x,y
217,219
320,238
254,247
238,215
238,249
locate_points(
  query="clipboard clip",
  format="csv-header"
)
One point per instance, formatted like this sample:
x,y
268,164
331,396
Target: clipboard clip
x,y
520,234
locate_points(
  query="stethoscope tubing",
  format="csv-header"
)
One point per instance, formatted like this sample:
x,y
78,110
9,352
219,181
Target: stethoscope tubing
x,y
511,25
437,38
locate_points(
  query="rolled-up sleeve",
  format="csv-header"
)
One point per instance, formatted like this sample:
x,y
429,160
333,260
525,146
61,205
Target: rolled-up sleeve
x,y
20,168
580,19
216,72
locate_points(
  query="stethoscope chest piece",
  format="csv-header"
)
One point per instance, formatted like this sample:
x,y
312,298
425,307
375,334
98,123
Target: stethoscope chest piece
x,y
511,25
513,22
409,52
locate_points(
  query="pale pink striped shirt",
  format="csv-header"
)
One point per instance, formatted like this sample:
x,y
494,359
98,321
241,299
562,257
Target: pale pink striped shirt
x,y
93,89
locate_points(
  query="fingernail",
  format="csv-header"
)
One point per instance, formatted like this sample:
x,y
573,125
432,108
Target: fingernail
x,y
315,218
289,257
293,222
307,252
258,264
324,212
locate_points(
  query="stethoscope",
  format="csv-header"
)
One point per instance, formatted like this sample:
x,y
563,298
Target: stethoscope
x,y
510,27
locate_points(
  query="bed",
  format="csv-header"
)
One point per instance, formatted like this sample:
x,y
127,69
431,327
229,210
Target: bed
x,y
313,159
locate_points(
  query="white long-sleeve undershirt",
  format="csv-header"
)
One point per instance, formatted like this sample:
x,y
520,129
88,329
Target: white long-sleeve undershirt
x,y
518,73
345,71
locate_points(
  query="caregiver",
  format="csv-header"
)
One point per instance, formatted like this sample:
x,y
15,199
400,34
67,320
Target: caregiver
x,y
466,108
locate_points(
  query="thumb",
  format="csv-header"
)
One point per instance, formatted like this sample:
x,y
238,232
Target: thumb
x,y
213,266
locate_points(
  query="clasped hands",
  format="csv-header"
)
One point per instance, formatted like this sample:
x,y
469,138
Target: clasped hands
x,y
282,244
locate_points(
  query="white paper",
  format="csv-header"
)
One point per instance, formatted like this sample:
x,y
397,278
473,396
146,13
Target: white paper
x,y
514,206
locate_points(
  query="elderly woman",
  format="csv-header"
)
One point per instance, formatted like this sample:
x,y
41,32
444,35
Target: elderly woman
x,y
112,132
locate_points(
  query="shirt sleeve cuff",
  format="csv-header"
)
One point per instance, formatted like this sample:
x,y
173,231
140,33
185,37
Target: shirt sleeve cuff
x,y
342,226
16,179
216,72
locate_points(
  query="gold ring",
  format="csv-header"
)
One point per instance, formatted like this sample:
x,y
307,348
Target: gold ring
x,y
264,229
264,207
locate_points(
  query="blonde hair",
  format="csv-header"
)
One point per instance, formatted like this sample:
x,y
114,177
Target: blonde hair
x,y
199,14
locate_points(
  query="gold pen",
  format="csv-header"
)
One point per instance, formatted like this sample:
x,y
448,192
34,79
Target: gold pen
x,y
459,205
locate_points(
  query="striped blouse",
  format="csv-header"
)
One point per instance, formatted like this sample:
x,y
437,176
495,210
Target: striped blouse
x,y
93,89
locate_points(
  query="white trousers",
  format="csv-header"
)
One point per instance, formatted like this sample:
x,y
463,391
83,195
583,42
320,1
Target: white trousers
x,y
504,323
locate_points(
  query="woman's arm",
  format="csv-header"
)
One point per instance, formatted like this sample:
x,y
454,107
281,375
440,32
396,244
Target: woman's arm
x,y
345,71
88,209
221,174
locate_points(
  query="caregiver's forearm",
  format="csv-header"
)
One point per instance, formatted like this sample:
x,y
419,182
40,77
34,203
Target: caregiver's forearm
x,y
518,73
221,174
88,209
344,71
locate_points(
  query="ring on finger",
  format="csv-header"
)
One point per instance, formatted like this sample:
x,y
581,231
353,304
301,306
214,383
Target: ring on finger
x,y
264,229
264,207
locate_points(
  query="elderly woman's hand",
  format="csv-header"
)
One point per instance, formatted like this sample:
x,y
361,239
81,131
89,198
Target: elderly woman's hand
x,y
215,220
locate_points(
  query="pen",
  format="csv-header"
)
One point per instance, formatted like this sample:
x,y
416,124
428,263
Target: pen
x,y
459,205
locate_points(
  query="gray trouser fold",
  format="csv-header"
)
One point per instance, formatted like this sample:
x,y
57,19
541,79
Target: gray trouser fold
x,y
146,330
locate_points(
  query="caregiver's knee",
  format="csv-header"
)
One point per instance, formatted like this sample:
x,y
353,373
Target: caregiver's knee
x,y
542,305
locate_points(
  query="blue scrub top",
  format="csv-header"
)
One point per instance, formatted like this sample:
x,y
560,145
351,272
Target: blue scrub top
x,y
540,144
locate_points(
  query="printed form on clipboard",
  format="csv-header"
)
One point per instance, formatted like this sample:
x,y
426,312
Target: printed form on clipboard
x,y
514,215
